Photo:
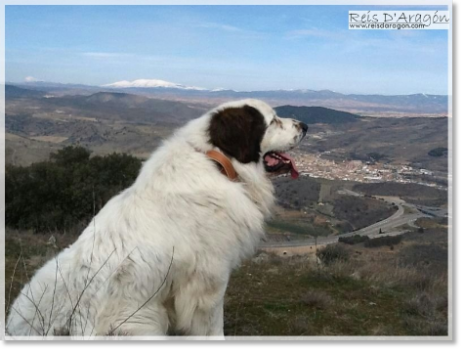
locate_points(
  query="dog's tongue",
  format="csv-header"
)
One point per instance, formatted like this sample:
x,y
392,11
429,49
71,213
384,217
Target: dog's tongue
x,y
294,172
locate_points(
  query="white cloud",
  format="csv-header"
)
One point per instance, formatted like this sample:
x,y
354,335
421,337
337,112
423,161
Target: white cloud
x,y
317,33
105,54
31,79
220,26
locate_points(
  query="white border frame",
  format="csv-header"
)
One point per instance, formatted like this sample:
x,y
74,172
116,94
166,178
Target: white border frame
x,y
451,131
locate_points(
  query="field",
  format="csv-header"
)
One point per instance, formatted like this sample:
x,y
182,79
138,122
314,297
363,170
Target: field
x,y
412,193
374,291
320,207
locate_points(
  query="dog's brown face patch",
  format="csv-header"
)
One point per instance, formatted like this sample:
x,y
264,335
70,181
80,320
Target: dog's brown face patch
x,y
238,132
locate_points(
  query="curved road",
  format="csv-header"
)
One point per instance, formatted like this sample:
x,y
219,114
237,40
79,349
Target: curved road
x,y
387,225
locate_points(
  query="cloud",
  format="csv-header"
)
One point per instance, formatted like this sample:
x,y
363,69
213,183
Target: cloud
x,y
316,33
31,79
224,27
105,54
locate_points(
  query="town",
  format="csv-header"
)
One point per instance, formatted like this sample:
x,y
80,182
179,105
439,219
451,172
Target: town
x,y
315,166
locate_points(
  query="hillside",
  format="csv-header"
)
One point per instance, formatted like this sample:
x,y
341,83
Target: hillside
x,y
339,136
114,121
407,141
413,193
383,291
14,92
319,207
104,122
126,107
316,114
366,104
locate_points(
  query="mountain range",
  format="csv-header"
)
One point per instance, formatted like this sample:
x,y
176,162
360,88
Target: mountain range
x,y
367,105
38,121
150,83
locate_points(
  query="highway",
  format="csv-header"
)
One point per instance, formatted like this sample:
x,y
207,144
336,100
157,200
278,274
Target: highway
x,y
387,226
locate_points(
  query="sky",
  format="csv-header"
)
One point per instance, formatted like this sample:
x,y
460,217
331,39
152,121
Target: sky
x,y
234,47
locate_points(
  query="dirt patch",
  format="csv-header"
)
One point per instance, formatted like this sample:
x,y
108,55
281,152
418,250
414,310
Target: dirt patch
x,y
50,138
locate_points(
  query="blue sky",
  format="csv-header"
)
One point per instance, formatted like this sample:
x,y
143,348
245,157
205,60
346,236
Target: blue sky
x,y
237,47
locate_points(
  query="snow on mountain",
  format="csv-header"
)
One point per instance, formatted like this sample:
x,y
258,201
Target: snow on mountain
x,y
221,89
150,83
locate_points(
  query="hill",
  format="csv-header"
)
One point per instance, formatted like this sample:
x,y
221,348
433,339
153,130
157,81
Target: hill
x,y
14,92
385,291
127,107
105,122
319,207
367,104
413,193
407,141
316,114
116,121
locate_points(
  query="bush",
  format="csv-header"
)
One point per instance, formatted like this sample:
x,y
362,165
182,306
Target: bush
x,y
430,257
332,253
438,152
352,240
383,241
317,299
65,191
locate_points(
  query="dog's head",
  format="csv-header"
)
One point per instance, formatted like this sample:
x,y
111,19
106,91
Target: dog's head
x,y
250,131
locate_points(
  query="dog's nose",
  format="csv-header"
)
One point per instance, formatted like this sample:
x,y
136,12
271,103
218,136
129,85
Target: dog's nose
x,y
304,127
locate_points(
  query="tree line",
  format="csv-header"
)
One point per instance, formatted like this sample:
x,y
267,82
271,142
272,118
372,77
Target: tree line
x,y
65,191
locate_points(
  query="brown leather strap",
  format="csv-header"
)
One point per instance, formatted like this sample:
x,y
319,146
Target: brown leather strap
x,y
224,161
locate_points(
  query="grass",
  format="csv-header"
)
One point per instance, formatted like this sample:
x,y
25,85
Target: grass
x,y
304,301
411,193
332,253
383,241
298,228
373,291
352,240
361,212
408,209
425,222
25,252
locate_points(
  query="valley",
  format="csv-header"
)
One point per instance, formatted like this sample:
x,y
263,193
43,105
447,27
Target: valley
x,y
343,154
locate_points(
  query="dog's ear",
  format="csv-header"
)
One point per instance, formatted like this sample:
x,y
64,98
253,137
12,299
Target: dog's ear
x,y
238,132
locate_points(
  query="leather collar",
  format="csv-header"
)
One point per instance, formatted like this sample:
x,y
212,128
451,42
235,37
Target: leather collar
x,y
224,162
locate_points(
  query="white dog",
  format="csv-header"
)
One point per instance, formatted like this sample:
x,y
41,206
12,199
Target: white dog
x,y
157,258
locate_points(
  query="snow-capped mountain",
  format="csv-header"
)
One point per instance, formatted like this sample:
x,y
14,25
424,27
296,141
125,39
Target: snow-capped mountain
x,y
372,104
150,83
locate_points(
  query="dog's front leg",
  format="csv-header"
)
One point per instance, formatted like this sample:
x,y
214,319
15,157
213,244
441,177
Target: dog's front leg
x,y
208,322
199,310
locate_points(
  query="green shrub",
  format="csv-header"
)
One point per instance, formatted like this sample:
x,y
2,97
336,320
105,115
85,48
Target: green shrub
x,y
352,240
430,257
332,253
383,241
438,152
66,190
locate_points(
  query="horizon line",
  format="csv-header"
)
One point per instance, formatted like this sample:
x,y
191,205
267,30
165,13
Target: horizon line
x,y
212,90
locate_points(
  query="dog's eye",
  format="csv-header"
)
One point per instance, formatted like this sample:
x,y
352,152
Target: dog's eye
x,y
277,122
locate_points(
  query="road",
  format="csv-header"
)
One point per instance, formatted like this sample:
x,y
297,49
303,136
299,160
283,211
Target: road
x,y
387,226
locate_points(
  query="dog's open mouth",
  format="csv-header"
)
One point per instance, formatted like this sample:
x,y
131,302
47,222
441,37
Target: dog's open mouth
x,y
279,162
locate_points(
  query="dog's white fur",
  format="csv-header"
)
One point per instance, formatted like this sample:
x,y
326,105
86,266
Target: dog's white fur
x,y
179,230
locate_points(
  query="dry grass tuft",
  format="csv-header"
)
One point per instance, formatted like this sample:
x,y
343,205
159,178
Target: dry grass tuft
x,y
317,299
